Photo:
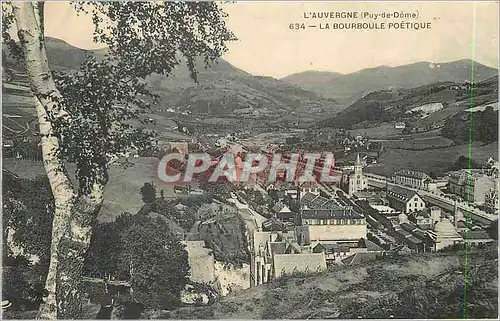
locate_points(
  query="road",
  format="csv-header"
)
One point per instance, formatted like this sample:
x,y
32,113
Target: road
x,y
436,199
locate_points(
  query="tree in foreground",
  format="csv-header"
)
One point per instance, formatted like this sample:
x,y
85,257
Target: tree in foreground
x,y
84,117
156,262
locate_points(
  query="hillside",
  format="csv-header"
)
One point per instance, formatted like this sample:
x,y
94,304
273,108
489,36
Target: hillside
x,y
346,88
223,90
397,104
414,286
122,193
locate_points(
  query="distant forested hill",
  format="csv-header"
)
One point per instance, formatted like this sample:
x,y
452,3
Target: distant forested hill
x,y
346,88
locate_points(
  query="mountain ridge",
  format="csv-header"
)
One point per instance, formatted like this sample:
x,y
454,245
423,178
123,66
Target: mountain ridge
x,y
351,86
222,89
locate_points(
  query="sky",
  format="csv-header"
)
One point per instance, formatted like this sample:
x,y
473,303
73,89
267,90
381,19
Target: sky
x,y
266,45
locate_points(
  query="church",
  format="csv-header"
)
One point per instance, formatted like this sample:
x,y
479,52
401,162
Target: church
x,y
354,181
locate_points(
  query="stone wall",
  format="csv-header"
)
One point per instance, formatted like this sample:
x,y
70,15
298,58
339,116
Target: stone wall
x,y
232,279
201,261
305,262
310,233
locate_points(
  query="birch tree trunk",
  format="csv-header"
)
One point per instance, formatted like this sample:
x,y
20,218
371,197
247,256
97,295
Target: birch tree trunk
x,y
74,213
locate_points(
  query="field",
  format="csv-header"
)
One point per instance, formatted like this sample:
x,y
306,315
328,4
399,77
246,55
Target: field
x,y
436,160
122,193
419,143
380,132
440,115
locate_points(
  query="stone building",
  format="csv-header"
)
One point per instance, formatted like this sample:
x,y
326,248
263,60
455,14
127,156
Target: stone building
x,y
322,219
426,218
276,253
445,235
471,185
404,200
334,224
414,179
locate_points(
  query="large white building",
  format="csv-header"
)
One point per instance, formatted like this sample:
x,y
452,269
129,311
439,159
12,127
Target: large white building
x,y
445,235
322,219
414,179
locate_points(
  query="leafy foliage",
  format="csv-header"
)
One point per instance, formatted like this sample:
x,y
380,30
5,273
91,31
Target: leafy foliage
x,y
148,193
28,210
27,215
479,126
464,162
106,247
156,261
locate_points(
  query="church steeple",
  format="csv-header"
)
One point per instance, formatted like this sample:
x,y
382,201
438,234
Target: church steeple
x,y
358,166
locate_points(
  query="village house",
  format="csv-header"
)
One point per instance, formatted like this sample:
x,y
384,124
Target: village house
x,y
471,185
309,187
282,212
276,253
399,125
404,200
426,218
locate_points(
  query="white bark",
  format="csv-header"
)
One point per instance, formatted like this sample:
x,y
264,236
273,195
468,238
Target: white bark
x,y
43,87
74,214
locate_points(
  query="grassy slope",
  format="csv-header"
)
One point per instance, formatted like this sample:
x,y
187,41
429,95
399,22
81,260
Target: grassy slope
x,y
415,286
226,87
123,190
366,111
437,160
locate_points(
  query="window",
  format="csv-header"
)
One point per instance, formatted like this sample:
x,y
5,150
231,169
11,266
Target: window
x,y
416,205
421,204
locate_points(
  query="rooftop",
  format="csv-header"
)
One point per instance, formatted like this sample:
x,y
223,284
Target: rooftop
x,y
409,227
357,258
338,213
313,201
476,235
400,193
412,174
422,213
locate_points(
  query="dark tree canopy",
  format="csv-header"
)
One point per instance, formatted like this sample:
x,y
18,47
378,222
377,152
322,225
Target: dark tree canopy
x,y
148,193
156,261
